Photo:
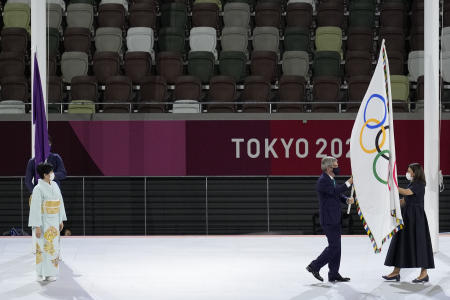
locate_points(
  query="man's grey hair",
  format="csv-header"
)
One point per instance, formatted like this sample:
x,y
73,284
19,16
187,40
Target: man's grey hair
x,y
327,161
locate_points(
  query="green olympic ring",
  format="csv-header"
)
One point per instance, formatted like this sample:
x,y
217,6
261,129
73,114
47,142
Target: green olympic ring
x,y
374,167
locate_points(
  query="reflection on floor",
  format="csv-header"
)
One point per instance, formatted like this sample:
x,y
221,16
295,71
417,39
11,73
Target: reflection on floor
x,y
212,268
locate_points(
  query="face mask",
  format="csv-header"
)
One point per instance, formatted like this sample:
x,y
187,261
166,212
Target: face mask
x,y
408,176
52,176
336,171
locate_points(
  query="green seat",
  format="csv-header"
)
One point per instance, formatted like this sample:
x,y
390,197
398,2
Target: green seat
x,y
234,64
362,14
174,15
17,15
400,92
201,64
327,63
54,108
81,107
53,41
329,38
218,2
297,39
171,39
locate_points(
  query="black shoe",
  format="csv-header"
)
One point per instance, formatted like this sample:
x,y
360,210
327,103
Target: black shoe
x,y
425,279
396,277
338,278
315,273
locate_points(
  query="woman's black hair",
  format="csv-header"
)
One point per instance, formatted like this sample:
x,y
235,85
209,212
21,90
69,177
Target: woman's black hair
x,y
44,168
419,174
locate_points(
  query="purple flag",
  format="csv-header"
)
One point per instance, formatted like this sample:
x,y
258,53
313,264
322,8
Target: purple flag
x,y
41,146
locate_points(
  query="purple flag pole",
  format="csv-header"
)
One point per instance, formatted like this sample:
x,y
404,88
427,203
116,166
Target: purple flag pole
x,y
41,146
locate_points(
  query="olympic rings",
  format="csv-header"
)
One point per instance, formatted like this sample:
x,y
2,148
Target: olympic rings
x,y
374,166
361,134
377,146
379,124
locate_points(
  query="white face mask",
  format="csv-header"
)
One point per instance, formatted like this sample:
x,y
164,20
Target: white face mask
x,y
408,176
52,176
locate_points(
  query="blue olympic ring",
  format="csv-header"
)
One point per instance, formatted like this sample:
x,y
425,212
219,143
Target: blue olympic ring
x,y
385,111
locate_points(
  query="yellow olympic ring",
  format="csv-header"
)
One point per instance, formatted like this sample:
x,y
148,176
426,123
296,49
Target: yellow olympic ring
x,y
382,141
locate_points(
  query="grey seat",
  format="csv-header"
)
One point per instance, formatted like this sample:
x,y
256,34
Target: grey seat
x,y
445,39
12,107
446,66
236,14
54,15
61,3
266,39
80,15
415,65
203,39
108,39
141,39
296,63
74,64
234,39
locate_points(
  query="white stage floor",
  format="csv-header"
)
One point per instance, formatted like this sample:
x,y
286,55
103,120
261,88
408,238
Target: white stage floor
x,y
212,268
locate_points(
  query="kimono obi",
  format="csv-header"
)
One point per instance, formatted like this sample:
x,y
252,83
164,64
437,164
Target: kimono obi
x,y
51,206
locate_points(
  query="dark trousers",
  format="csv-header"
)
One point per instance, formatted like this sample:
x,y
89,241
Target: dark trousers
x,y
332,254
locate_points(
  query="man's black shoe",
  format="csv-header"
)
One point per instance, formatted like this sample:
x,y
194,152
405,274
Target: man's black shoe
x,y
338,278
315,273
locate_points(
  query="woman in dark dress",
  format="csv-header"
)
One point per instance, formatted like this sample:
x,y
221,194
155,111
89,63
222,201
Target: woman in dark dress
x,y
411,246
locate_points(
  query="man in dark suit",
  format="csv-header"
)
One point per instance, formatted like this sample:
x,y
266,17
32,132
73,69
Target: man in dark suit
x,y
330,198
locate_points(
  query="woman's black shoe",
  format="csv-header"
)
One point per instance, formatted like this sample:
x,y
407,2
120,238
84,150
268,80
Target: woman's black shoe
x,y
396,277
425,279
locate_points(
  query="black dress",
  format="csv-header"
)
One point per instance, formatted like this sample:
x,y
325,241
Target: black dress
x,y
411,246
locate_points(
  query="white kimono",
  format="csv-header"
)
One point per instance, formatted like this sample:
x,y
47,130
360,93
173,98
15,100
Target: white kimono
x,y
47,211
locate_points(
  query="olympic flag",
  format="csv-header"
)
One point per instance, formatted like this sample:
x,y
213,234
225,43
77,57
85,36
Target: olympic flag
x,y
373,160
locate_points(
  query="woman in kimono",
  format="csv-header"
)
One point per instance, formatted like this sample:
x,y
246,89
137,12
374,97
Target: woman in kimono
x,y
47,214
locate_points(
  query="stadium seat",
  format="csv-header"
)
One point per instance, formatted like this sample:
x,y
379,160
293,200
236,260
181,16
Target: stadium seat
x,y
12,107
395,39
297,39
84,93
14,39
188,88
118,89
234,39
446,14
327,63
221,89
357,87
265,64
360,39
54,94
266,39
169,65
143,15
153,89
27,2
393,14
445,39
124,3
310,2
256,89
267,14
90,2
201,64
296,63
74,64
54,16
111,15
362,14
400,92
17,15
171,39
416,65
108,39
51,66
61,3
141,39
251,3
292,89
445,69
233,64
138,64
330,13
77,39
174,15
106,64
417,16
236,14
396,63
217,2
53,40
12,64
329,39
358,63
326,89
203,39
417,38
15,88
80,15
299,14
205,15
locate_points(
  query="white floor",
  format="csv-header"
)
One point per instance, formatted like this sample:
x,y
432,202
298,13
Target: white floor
x,y
212,268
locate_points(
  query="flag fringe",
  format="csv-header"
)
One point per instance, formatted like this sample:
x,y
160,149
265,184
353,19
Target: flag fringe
x,y
377,248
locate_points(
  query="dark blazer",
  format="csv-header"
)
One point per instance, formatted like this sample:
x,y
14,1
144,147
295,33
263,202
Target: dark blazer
x,y
58,169
330,198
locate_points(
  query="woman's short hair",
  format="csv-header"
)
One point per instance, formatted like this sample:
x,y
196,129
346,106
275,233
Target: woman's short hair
x,y
327,161
419,174
44,168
